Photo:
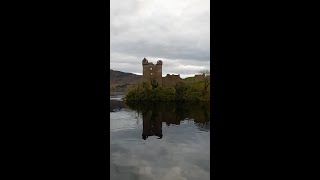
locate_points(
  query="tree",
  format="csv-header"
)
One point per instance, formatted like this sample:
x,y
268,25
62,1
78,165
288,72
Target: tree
x,y
154,84
145,86
206,79
206,72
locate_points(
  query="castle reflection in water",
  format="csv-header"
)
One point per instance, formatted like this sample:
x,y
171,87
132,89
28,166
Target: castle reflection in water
x,y
154,114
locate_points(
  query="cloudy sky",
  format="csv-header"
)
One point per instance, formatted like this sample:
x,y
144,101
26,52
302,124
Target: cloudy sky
x,y
175,31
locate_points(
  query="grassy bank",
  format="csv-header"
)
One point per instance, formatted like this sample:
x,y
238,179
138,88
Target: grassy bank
x,y
181,92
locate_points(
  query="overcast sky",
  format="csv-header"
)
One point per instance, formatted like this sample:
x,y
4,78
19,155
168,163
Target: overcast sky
x,y
174,31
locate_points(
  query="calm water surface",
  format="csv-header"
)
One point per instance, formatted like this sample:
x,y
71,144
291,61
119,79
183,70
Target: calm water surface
x,y
164,141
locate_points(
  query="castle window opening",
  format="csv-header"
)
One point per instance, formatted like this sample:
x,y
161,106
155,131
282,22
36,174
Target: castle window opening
x,y
150,68
151,74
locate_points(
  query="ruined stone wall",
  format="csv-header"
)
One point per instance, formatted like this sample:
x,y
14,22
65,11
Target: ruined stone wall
x,y
198,78
171,80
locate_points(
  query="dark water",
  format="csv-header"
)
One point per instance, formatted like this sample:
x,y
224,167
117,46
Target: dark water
x,y
164,141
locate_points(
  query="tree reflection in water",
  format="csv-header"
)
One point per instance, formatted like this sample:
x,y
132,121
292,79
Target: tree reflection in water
x,y
154,114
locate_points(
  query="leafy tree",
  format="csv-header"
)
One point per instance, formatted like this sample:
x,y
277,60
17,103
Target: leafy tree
x,y
181,92
154,84
206,80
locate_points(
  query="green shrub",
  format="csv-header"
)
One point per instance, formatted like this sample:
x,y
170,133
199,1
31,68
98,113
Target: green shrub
x,y
181,92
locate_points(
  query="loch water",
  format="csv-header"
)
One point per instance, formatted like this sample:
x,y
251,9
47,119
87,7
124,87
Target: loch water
x,y
165,141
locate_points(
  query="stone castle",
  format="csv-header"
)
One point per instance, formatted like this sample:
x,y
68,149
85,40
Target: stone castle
x,y
153,72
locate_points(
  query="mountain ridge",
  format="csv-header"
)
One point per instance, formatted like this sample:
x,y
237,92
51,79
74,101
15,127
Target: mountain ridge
x,y
120,81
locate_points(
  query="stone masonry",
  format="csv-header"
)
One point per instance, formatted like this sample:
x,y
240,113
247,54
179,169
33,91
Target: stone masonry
x,y
154,72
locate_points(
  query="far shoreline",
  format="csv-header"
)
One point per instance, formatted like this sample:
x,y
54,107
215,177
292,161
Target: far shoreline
x,y
117,93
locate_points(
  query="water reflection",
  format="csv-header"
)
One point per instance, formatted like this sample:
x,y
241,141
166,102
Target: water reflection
x,y
154,114
152,124
159,141
116,105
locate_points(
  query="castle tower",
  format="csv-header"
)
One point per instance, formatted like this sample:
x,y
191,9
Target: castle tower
x,y
151,71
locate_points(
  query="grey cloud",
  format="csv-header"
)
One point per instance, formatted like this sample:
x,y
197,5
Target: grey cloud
x,y
176,31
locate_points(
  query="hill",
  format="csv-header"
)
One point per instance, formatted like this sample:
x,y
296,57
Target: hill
x,y
120,81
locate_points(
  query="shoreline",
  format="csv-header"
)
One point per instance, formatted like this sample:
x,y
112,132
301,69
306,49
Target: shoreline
x,y
117,93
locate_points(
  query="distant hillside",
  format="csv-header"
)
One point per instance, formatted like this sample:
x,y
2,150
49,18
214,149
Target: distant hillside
x,y
119,81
